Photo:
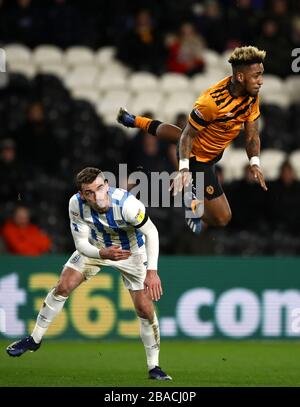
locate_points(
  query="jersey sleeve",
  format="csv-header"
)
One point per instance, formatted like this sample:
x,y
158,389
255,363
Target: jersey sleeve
x,y
204,112
255,112
80,231
77,224
134,211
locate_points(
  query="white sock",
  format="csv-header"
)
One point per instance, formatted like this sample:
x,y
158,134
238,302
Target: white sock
x,y
52,305
151,340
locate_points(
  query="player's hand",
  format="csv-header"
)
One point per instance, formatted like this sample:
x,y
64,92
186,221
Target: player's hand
x,y
258,176
182,179
114,253
153,285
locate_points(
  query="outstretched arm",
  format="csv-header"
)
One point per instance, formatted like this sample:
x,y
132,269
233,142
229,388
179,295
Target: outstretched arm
x,y
152,281
252,146
186,142
183,178
134,213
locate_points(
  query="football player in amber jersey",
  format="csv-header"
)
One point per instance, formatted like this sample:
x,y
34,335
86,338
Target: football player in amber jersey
x,y
216,119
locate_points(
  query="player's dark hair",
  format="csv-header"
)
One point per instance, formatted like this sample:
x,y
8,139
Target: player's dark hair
x,y
87,176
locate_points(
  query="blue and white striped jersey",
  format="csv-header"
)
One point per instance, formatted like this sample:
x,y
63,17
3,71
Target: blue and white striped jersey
x,y
115,227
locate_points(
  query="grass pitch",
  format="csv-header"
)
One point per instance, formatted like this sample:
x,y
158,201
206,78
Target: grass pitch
x,y
190,363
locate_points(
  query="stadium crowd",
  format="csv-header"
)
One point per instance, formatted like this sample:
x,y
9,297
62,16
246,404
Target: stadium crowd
x,y
47,135
148,37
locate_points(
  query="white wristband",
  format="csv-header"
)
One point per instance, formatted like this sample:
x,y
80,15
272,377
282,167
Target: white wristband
x,y
184,163
254,161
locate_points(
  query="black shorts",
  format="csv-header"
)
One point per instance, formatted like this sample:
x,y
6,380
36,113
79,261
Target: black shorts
x,y
212,187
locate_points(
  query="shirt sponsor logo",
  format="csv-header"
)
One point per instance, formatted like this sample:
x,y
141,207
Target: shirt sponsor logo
x,y
74,213
198,113
210,189
75,259
140,216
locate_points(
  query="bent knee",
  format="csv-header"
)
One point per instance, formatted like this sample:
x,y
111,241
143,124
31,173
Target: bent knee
x,y
63,290
144,311
223,220
69,280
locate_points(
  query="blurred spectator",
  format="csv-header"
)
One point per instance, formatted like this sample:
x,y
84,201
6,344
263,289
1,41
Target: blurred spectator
x,y
181,120
12,174
279,11
211,25
248,203
64,24
284,200
295,31
35,141
241,24
278,48
23,22
185,51
142,48
23,237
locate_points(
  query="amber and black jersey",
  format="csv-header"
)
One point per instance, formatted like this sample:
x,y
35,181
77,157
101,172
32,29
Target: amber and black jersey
x,y
219,117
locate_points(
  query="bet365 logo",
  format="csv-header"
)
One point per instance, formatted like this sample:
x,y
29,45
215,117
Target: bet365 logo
x,y
296,61
2,60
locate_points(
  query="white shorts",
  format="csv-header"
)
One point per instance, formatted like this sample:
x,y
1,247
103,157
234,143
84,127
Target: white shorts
x,y
133,269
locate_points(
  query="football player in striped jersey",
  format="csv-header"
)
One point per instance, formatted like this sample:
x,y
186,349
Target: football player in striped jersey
x,y
110,227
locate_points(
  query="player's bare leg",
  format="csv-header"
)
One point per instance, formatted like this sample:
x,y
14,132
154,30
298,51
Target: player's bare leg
x,y
163,131
52,305
68,281
149,330
217,211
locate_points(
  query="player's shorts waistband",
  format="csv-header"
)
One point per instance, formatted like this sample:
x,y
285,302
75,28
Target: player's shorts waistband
x,y
213,161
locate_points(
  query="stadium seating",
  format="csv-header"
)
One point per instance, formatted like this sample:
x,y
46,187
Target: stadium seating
x,y
295,161
177,102
104,56
234,163
147,101
24,68
111,81
79,56
271,160
292,86
171,82
275,133
47,54
18,53
224,61
82,90
108,107
201,82
212,59
90,95
143,81
59,70
82,76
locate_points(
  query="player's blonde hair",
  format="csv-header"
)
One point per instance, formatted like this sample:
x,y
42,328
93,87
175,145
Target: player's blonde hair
x,y
246,56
